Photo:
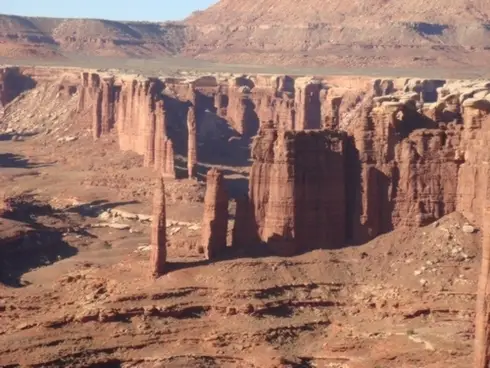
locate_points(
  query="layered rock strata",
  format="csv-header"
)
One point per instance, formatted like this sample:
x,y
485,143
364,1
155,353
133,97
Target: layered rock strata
x,y
297,189
405,142
215,218
158,255
406,168
482,315
137,108
473,175
98,93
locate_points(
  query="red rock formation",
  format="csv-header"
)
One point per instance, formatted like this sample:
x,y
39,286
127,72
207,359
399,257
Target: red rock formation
x,y
158,244
401,163
215,219
169,163
150,131
191,142
330,109
407,175
7,85
160,136
244,226
424,179
221,102
98,93
97,114
474,172
141,120
482,317
12,84
108,107
307,101
297,189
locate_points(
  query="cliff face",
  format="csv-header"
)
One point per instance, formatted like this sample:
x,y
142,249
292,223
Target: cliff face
x,y
140,109
400,164
215,219
407,168
12,84
474,172
353,157
297,189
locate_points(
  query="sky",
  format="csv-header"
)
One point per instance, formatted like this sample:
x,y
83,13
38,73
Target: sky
x,y
150,10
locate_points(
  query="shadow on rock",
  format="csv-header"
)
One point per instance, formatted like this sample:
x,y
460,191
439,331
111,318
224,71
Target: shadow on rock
x,y
95,208
18,161
41,246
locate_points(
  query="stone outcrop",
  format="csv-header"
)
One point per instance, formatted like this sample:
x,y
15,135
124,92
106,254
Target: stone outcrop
x,y
244,228
297,189
158,243
191,142
215,218
98,94
406,166
12,84
138,110
307,101
169,163
136,107
482,315
473,173
398,167
406,140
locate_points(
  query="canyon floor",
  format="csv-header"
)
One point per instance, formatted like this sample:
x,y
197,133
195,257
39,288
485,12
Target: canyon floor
x,y
76,292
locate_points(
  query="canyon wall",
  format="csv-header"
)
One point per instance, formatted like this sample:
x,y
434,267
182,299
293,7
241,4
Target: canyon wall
x,y
297,189
398,162
215,218
12,83
355,157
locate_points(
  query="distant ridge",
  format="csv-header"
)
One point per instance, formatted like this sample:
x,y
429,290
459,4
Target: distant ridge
x,y
357,33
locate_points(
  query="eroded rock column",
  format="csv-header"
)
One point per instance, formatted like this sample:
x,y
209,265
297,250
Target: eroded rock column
x,y
97,115
107,108
160,136
307,101
482,318
215,220
158,255
169,164
191,142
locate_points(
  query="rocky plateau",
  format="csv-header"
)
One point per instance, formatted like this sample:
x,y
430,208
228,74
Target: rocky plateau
x,y
359,33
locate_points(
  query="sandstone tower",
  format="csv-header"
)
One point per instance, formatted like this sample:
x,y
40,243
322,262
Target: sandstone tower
x,y
482,332
215,219
158,231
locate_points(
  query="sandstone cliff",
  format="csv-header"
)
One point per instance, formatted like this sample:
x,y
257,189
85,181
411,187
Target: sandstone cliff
x,y
215,218
12,83
297,189
363,156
